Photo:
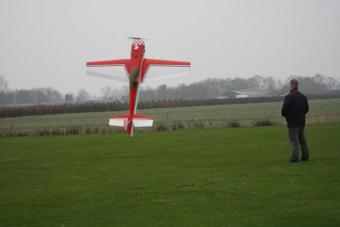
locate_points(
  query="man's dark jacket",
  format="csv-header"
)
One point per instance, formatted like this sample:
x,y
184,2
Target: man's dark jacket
x,y
294,108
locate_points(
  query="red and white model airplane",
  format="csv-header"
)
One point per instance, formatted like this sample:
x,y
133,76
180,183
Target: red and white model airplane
x,y
136,68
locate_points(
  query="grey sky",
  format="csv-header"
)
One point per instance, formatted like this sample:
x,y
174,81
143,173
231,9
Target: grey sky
x,y
46,43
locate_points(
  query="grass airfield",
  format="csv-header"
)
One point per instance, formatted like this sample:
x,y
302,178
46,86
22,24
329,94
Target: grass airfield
x,y
216,116
200,177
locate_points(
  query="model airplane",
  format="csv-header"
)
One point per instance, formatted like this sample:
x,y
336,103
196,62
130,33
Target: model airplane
x,y
136,68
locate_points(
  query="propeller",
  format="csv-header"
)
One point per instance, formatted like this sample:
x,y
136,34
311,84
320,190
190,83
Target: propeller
x,y
136,38
106,76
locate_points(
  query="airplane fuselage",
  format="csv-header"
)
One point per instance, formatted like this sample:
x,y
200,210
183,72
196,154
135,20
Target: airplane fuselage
x,y
135,69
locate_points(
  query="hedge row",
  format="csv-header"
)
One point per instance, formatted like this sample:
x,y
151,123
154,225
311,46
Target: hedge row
x,y
93,129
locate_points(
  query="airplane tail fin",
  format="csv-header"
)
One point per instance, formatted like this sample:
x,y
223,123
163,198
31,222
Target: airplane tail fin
x,y
129,121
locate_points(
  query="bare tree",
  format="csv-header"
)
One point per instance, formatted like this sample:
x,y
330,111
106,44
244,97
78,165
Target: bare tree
x,y
83,95
107,93
332,83
3,84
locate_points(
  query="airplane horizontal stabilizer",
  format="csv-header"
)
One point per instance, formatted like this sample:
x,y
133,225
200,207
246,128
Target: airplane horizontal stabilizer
x,y
119,120
138,120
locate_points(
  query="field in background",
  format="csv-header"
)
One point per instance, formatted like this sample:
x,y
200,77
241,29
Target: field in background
x,y
231,115
201,177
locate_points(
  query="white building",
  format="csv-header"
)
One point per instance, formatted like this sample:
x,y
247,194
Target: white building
x,y
247,93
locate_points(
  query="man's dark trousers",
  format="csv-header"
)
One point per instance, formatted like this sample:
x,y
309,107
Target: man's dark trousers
x,y
296,136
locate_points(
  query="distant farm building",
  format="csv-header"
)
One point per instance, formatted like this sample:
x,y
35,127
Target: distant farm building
x,y
244,93
68,98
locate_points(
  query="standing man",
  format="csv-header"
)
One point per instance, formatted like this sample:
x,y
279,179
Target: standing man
x,y
294,109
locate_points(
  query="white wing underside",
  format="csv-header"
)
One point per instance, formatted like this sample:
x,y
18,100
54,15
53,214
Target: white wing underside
x,y
122,122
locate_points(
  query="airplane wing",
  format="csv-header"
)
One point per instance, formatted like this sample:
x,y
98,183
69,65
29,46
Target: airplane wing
x,y
147,63
107,63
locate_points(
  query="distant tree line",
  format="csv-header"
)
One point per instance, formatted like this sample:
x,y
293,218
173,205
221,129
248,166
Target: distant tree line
x,y
30,97
16,111
214,88
209,89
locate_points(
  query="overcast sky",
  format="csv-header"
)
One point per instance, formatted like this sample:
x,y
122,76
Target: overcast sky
x,y
46,43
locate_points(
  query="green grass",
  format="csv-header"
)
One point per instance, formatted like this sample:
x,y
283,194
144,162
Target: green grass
x,y
208,177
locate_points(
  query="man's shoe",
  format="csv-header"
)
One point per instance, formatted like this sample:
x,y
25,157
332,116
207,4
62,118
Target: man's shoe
x,y
304,159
